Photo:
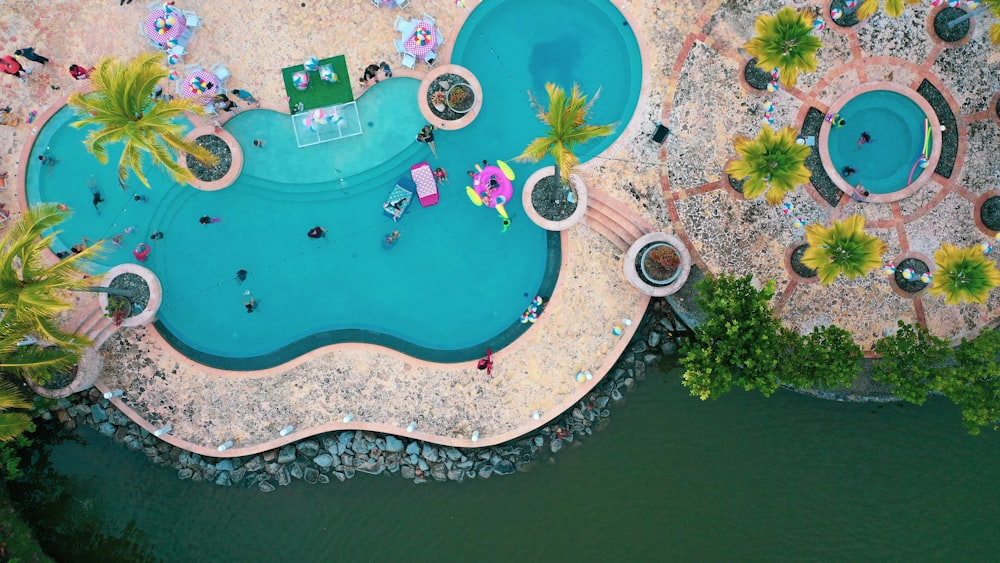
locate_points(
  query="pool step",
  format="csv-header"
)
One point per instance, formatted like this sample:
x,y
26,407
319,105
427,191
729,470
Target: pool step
x,y
613,219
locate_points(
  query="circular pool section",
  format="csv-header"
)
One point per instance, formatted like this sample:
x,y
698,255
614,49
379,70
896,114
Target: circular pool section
x,y
513,47
881,143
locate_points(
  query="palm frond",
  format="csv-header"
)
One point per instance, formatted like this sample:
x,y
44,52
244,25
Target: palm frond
x,y
13,424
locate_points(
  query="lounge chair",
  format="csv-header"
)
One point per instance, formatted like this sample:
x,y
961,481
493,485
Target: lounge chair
x,y
399,198
427,188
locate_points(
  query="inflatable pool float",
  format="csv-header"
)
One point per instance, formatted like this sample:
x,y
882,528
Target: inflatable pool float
x,y
480,193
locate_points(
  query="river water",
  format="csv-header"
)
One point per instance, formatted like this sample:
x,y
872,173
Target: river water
x,y
673,478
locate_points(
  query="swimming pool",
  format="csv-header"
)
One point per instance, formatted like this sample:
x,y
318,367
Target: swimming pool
x,y
454,284
515,46
895,125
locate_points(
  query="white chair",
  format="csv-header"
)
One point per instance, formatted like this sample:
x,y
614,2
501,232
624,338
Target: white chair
x,y
221,71
432,59
399,47
409,61
440,38
178,50
402,3
191,18
155,6
193,67
377,3
429,19
402,25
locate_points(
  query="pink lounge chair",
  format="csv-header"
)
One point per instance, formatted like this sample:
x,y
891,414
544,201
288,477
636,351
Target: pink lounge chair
x,y
427,188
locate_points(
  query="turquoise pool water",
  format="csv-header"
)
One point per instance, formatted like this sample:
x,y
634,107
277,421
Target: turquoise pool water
x,y
896,126
518,45
452,285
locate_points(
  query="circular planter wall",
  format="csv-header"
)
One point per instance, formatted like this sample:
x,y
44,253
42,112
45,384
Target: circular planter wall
x,y
794,265
637,262
528,202
910,267
149,297
450,114
220,142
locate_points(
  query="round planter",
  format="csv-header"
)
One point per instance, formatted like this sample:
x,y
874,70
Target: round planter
x,y
793,262
939,25
659,264
756,77
849,17
155,293
635,272
548,224
919,265
222,141
449,78
989,213
466,103
88,370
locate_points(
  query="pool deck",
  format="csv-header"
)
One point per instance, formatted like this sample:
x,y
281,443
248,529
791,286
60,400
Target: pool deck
x,y
692,59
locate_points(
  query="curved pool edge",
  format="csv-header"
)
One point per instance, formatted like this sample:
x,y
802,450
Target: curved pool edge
x,y
529,426
913,96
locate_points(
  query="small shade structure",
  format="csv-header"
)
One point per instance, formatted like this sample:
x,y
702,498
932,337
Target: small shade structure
x,y
311,64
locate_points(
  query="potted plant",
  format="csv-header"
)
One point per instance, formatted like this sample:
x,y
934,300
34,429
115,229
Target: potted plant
x,y
119,307
659,263
772,164
567,119
842,248
460,98
438,99
963,274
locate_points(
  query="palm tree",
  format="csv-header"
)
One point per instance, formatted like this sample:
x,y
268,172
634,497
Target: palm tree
x,y
772,163
125,111
963,274
785,41
32,291
12,424
893,8
568,127
842,248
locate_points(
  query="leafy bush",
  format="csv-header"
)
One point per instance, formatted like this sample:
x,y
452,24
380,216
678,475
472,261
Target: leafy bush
x,y
912,362
826,358
739,343
973,381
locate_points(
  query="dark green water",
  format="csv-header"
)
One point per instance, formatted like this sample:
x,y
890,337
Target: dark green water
x,y
744,478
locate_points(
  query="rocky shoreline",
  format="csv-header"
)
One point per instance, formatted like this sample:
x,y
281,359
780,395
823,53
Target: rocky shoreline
x,y
342,455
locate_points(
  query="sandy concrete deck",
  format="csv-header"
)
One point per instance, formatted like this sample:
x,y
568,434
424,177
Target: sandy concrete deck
x,y
692,59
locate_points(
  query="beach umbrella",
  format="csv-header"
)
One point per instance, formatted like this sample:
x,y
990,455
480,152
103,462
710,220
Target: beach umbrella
x,y
836,14
173,59
300,80
318,116
311,64
174,75
308,123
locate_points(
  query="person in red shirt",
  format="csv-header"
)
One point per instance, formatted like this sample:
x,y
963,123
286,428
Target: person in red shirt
x,y
79,73
10,65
